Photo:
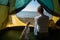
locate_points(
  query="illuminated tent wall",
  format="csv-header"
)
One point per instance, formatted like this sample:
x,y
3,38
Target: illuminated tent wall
x,y
14,21
51,6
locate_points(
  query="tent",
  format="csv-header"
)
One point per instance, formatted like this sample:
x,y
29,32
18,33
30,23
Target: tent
x,y
8,7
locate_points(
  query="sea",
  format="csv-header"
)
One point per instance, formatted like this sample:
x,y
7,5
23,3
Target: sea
x,y
30,14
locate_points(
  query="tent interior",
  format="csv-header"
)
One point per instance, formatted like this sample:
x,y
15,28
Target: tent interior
x,y
12,25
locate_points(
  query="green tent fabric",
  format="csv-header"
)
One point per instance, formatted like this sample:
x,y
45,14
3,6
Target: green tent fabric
x,y
52,6
11,5
20,4
3,14
15,5
3,2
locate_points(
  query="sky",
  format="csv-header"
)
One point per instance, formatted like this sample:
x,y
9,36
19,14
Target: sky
x,y
32,6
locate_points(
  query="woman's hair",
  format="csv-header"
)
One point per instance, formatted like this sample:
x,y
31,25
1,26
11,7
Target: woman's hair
x,y
40,9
